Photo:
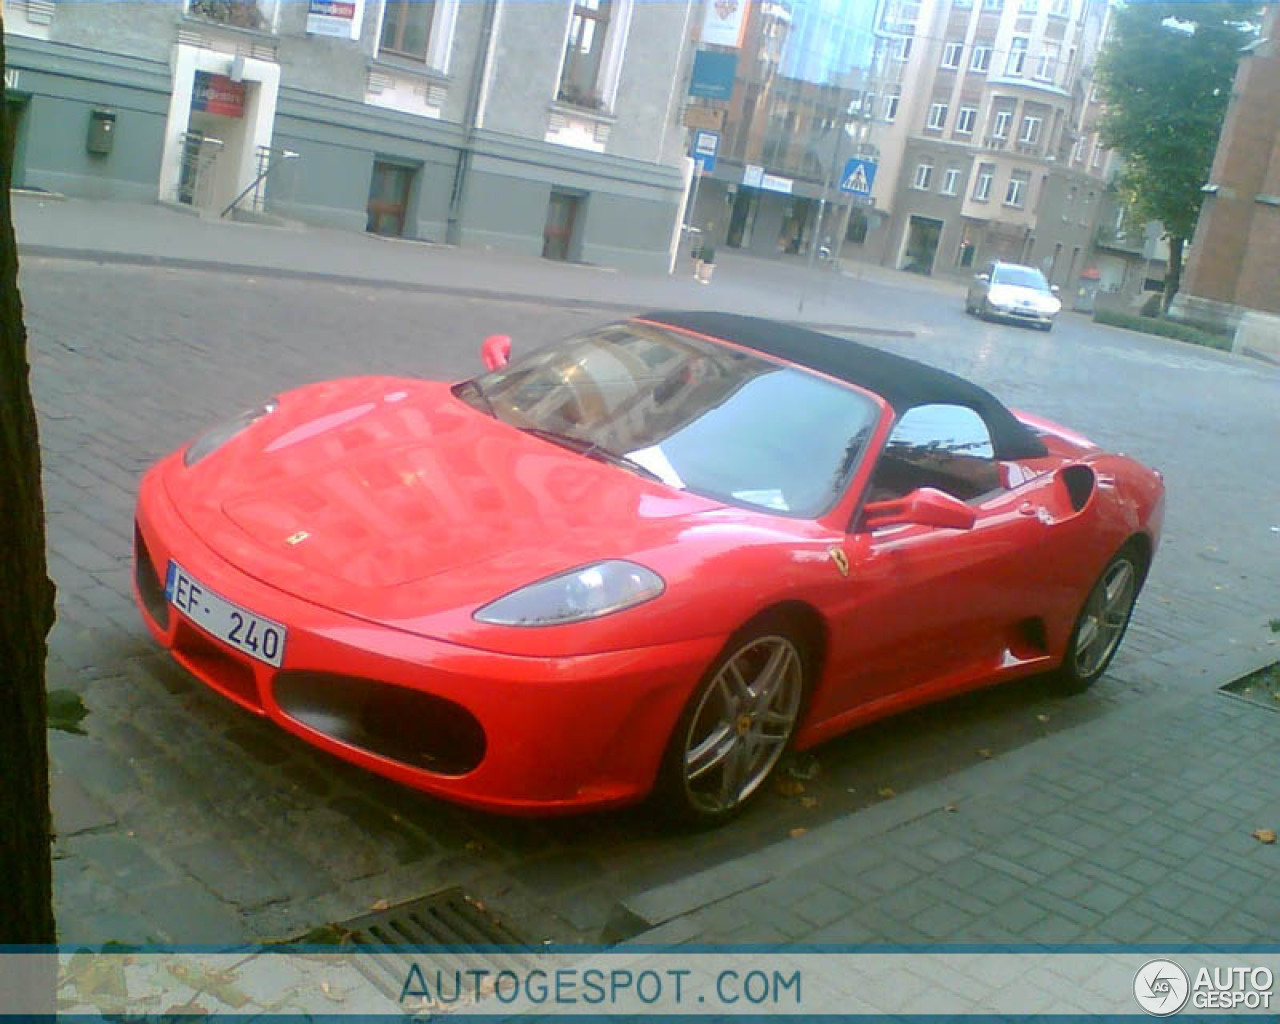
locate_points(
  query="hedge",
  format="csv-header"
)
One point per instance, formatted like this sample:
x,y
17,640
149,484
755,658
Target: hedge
x,y
1164,328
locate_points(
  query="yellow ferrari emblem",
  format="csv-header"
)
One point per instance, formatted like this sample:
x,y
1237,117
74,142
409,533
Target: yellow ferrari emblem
x,y
841,560
297,538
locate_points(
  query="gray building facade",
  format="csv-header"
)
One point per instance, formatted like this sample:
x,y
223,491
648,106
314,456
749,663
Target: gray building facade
x,y
549,127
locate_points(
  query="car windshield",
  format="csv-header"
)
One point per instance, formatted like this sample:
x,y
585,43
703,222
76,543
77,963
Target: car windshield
x,y
699,416
1022,277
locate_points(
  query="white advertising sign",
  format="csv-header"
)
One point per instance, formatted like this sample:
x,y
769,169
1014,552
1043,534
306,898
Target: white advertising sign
x,y
338,18
723,22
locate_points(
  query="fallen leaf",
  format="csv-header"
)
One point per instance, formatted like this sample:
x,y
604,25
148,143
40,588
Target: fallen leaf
x,y
808,801
886,792
796,833
65,711
950,808
1042,718
803,767
474,846
1265,835
379,905
789,787
984,752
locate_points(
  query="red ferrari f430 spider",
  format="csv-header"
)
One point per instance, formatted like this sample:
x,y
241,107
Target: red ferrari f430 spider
x,y
649,559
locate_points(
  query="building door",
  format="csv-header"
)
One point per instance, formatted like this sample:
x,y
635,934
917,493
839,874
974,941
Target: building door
x,y
921,245
17,110
562,216
389,198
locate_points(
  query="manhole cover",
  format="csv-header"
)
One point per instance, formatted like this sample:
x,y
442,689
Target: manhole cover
x,y
460,935
1261,688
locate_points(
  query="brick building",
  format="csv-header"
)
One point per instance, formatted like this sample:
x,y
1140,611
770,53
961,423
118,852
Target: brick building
x,y
1233,266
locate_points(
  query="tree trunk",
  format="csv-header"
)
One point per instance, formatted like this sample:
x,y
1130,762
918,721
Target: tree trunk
x,y
26,611
1173,275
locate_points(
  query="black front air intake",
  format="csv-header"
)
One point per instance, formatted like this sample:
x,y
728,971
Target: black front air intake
x,y
417,729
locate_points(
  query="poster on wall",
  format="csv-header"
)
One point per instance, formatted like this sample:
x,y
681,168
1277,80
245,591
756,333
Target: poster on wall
x,y
723,22
337,18
217,94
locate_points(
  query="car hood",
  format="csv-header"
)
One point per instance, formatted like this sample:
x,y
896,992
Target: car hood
x,y
1014,295
356,488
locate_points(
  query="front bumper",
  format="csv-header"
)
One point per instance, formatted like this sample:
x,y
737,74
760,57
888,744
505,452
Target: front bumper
x,y
1020,314
559,734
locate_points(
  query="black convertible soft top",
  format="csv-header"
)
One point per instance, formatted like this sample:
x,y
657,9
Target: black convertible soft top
x,y
903,383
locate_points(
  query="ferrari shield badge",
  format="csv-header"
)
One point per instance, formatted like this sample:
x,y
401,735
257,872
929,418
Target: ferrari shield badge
x,y
297,538
841,560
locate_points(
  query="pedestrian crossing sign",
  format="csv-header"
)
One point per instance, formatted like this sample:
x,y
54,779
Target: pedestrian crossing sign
x,y
858,177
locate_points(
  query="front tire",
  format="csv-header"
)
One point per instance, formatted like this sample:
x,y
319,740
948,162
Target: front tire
x,y
1102,621
736,726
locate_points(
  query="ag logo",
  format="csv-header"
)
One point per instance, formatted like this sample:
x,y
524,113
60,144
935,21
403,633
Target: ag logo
x,y
1161,987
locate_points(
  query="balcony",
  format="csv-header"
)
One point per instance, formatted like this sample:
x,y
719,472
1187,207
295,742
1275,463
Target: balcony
x,y
1121,240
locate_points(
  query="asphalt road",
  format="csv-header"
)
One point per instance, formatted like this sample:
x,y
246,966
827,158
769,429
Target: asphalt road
x,y
182,818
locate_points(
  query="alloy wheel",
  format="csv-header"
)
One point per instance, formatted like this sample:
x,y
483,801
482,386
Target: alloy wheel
x,y
742,724
1105,616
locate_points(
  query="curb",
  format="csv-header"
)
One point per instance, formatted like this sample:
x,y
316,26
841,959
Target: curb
x,y
651,914
283,273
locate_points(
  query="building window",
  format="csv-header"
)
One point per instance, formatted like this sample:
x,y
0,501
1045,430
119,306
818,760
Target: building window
x,y
1017,56
1000,126
981,58
1016,193
993,5
937,117
1029,6
584,53
951,181
965,120
406,28
923,178
902,48
982,184
951,54
1047,64
1061,9
891,107
255,14
1098,154
962,4
1030,133
1077,154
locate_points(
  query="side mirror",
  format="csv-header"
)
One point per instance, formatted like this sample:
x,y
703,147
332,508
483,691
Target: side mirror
x,y
1055,289
496,351
982,277
925,506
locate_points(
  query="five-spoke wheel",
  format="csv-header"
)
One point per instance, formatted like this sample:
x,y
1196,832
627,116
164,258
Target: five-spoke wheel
x,y
737,726
1103,620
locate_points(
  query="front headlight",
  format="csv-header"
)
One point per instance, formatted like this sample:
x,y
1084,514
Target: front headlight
x,y
575,596
211,440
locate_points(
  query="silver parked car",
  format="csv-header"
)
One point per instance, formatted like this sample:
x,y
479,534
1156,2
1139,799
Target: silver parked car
x,y
1009,291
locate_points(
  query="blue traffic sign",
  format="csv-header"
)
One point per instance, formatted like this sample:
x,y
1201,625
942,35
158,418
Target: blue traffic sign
x,y
705,147
858,177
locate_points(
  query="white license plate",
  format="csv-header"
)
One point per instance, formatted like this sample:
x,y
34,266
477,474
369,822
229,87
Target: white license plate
x,y
235,626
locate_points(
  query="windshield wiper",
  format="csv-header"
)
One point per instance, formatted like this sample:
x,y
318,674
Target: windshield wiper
x,y
474,385
593,451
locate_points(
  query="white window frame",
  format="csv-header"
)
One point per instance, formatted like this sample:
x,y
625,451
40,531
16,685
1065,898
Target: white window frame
x,y
993,5
937,120
891,102
901,50
980,58
1060,9
1029,6
615,45
966,118
1047,64
1015,193
952,53
951,182
982,183
923,177
1078,153
1029,134
1000,124
1017,62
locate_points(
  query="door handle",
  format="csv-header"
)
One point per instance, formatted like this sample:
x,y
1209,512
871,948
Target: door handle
x,y
1029,508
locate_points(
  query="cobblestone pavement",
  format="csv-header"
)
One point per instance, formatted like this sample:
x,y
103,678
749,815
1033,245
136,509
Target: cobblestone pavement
x,y
181,818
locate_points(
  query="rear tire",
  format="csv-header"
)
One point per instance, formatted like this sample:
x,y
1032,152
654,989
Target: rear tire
x,y
1102,622
736,726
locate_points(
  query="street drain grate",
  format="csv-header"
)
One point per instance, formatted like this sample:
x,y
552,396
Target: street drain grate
x,y
1261,688
461,933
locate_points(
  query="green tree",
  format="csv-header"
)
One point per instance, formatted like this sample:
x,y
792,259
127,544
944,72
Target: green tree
x,y
26,610
1166,75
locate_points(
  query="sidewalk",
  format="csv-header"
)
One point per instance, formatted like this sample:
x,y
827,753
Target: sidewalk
x,y
154,234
